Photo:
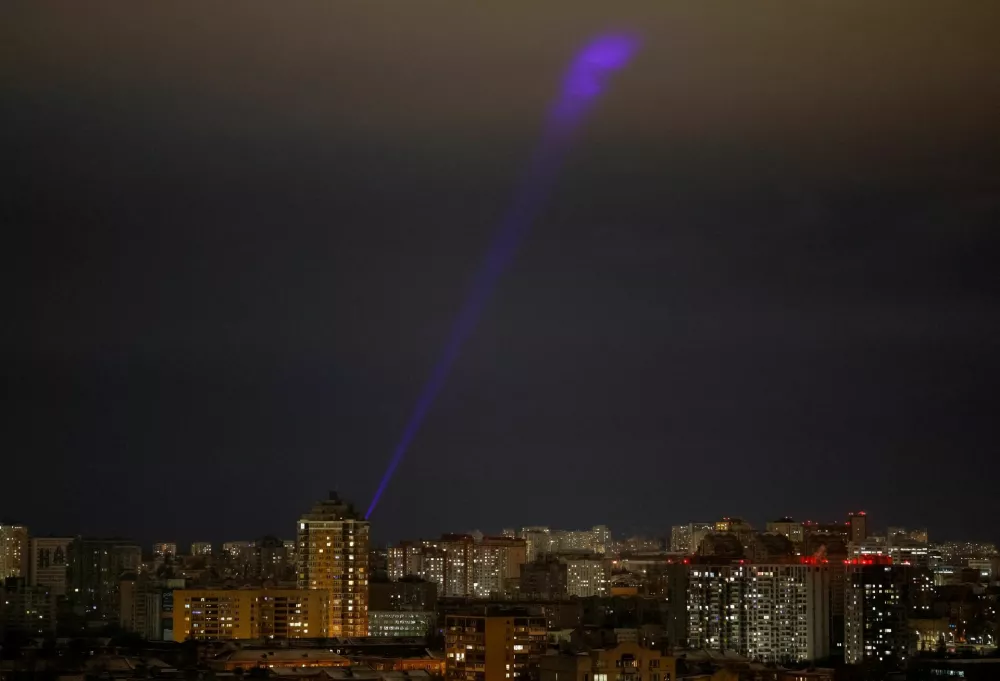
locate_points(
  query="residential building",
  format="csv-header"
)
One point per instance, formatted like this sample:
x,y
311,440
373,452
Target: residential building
x,y
94,567
772,612
163,550
480,568
687,538
227,614
638,544
904,535
728,524
788,527
858,524
284,662
409,593
333,547
495,560
493,643
787,612
545,577
239,556
14,549
424,559
538,541
26,609
141,606
586,577
627,660
201,548
875,611
272,560
715,595
680,539
49,563
595,540
602,539
401,623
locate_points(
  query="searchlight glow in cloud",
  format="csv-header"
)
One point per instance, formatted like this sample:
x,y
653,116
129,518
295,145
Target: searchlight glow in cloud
x,y
583,84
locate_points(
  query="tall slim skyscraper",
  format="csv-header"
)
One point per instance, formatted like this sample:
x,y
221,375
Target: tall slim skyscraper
x,y
332,555
13,551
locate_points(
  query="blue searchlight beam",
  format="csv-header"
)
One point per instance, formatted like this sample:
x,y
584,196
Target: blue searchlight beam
x,y
584,82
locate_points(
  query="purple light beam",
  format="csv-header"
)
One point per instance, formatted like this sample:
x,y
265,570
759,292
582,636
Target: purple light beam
x,y
584,82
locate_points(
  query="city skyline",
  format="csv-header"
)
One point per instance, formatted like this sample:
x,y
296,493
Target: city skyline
x,y
773,523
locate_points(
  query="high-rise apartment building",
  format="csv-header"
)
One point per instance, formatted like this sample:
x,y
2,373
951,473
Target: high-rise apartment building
x,y
714,596
602,539
227,614
875,611
858,526
494,645
586,577
26,609
424,559
239,555
687,538
201,548
333,548
772,612
165,549
495,560
788,527
272,560
94,569
480,568
544,578
787,612
680,538
141,606
49,562
13,551
537,540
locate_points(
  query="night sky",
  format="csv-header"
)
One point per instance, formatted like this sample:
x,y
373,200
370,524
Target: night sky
x,y
236,235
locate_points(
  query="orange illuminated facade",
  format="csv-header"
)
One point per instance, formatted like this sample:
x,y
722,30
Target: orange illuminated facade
x,y
493,647
233,614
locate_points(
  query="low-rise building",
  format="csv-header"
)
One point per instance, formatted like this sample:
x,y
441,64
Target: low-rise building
x,y
627,660
400,623
226,614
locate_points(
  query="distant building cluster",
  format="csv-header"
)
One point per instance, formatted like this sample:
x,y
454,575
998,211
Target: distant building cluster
x,y
718,597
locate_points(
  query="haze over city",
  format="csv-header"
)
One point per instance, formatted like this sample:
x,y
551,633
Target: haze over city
x,y
763,283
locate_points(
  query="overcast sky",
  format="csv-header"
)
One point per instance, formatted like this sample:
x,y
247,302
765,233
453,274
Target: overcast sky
x,y
237,235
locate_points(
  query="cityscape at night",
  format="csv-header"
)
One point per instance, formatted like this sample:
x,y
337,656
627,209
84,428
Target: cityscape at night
x,y
721,599
475,341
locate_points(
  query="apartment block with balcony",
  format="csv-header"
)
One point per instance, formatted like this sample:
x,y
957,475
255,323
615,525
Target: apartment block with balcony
x,y
333,551
231,614
625,662
494,644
